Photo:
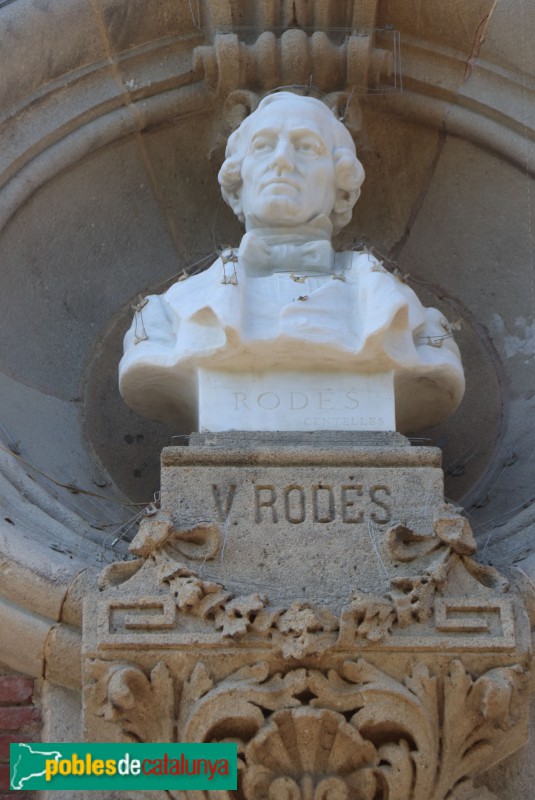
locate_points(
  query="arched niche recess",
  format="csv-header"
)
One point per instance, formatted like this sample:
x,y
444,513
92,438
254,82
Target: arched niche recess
x,y
111,128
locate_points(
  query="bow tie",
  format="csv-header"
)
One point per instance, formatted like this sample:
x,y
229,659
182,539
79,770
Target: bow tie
x,y
260,257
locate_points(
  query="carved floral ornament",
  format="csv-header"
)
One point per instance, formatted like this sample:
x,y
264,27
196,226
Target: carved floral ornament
x,y
167,548
322,712
353,734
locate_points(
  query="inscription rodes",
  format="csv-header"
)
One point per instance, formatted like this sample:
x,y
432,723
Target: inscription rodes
x,y
319,503
265,497
223,510
294,504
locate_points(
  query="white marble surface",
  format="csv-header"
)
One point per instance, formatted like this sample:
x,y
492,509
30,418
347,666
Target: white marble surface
x,y
295,401
284,301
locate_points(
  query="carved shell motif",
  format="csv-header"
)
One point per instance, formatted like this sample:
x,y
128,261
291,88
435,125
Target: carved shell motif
x,y
357,734
310,754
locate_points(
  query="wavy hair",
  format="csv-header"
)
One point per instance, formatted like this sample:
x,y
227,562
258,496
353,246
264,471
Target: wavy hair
x,y
349,172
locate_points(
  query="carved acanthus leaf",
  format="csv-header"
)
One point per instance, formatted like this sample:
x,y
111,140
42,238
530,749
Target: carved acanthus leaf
x,y
141,708
233,708
467,791
359,733
475,713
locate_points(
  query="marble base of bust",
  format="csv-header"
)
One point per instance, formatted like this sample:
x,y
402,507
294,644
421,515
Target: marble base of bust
x,y
293,401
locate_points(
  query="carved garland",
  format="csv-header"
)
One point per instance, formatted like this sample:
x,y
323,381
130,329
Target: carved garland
x,y
302,629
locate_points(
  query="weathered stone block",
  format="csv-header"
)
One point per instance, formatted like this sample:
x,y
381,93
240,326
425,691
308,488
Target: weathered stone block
x,y
299,521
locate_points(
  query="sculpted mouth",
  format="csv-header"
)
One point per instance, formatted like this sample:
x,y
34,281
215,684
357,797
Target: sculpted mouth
x,y
280,182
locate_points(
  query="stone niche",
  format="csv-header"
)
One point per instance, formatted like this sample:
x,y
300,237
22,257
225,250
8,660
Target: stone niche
x,y
113,117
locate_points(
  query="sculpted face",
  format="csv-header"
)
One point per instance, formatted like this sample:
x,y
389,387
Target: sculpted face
x,y
288,171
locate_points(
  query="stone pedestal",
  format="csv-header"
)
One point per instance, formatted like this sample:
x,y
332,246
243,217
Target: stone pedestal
x,y
306,519
314,598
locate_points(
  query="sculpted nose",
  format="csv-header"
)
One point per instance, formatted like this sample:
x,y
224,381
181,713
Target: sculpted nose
x,y
283,156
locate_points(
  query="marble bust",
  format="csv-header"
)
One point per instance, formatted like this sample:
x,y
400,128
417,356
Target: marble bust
x,y
284,333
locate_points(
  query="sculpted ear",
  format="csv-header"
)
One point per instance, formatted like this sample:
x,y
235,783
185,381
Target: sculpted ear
x,y
345,200
349,178
233,198
231,184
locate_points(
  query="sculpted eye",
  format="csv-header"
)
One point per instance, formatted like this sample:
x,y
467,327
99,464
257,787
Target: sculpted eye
x,y
308,147
261,145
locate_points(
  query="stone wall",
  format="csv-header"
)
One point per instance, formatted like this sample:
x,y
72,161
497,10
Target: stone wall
x,y
111,134
20,720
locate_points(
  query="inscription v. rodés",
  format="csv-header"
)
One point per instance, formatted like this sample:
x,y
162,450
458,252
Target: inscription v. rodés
x,y
350,503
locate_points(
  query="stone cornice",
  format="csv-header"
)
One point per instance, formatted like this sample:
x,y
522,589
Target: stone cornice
x,y
65,119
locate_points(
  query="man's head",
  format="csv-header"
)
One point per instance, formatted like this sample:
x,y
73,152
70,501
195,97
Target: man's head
x,y
290,161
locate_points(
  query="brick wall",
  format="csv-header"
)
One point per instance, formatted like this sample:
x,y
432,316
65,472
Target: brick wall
x,y
20,721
